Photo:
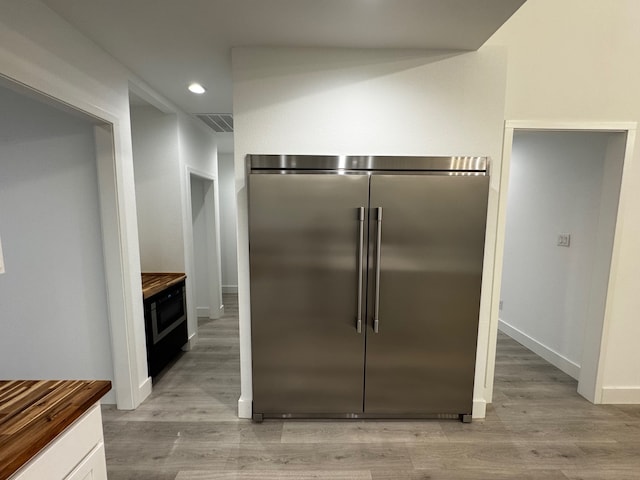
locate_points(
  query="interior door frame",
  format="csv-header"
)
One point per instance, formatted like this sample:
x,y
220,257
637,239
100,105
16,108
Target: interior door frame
x,y
211,206
132,383
590,384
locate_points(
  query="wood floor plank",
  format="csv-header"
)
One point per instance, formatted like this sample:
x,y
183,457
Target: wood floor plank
x,y
130,474
550,455
463,455
509,473
632,411
175,455
534,411
569,456
213,432
318,457
176,413
480,431
575,430
271,475
361,432
600,474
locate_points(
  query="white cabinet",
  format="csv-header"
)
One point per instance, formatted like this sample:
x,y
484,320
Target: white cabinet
x,y
76,454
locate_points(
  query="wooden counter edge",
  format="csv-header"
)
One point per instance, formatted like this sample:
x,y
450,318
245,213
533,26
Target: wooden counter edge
x,y
99,390
172,279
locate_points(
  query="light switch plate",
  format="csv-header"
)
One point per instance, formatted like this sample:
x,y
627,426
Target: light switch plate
x,y
1,258
564,239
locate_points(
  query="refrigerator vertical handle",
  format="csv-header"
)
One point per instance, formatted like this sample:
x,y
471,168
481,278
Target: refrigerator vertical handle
x,y
360,263
376,306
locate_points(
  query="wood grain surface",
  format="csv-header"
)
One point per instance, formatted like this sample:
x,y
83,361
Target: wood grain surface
x,y
32,413
156,282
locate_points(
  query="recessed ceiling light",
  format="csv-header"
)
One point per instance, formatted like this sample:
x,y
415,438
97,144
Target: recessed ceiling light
x,y
197,88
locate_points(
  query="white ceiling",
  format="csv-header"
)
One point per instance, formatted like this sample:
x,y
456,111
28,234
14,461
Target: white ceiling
x,y
170,43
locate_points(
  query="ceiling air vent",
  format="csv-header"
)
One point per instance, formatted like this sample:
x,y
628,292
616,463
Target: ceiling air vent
x,y
219,122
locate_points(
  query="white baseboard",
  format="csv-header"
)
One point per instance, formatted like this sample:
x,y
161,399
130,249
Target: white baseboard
x,y
245,408
621,395
554,358
145,389
229,288
479,409
192,342
213,313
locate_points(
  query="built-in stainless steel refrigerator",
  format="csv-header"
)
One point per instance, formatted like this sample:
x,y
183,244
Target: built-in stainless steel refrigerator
x,y
365,284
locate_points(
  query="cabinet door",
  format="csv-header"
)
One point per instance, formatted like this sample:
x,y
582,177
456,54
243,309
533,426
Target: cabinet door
x,y
422,359
92,467
308,357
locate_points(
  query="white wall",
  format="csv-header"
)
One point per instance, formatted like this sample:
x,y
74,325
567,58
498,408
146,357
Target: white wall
x,y
340,101
580,66
156,166
228,223
555,186
198,149
53,294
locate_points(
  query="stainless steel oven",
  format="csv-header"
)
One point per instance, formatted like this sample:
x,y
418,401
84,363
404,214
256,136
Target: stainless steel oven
x,y
165,316
168,310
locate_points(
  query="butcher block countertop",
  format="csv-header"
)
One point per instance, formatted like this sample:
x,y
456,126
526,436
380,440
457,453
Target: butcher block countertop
x,y
32,413
153,283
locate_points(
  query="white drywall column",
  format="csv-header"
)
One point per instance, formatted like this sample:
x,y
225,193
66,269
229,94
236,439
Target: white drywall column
x,y
333,101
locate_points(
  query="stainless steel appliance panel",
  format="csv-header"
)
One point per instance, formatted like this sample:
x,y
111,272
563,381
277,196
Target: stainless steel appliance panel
x,y
421,350
305,244
336,163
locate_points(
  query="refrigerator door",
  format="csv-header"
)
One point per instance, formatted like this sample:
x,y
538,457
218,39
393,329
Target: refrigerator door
x,y
422,358
304,230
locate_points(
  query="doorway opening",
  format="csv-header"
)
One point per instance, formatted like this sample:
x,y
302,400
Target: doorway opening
x,y
561,213
228,213
63,244
205,270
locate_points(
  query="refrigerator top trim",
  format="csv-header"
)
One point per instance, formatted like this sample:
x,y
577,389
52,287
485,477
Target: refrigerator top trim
x,y
363,164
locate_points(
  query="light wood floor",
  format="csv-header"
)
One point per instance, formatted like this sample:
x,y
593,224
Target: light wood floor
x,y
537,428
